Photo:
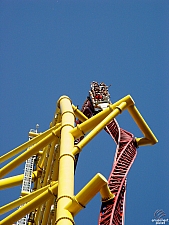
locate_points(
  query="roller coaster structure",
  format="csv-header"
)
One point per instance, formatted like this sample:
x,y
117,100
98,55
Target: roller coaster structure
x,y
47,195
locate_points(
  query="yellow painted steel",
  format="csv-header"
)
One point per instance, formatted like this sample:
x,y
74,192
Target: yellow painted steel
x,y
47,180
88,192
27,208
29,152
57,117
27,144
22,200
50,201
66,163
42,159
106,193
99,127
143,141
55,152
49,163
56,164
79,114
42,182
89,124
14,181
33,134
149,137
47,211
11,181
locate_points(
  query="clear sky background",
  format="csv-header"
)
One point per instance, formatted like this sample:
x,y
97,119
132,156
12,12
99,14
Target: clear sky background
x,y
53,48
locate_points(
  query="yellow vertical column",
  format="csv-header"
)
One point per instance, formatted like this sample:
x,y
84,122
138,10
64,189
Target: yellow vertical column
x,y
66,163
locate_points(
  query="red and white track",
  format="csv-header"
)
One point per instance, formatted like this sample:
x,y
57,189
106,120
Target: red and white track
x,y
112,211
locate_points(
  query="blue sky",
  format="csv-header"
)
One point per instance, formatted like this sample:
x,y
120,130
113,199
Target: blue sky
x,y
53,48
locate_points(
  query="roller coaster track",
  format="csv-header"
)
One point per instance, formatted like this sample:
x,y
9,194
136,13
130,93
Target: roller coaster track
x,y
112,211
50,156
48,183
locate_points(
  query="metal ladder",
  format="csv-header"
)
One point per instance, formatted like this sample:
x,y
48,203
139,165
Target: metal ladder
x,y
27,180
26,184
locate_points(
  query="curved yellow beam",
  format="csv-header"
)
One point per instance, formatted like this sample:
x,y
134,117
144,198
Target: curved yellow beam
x,y
149,137
96,184
89,124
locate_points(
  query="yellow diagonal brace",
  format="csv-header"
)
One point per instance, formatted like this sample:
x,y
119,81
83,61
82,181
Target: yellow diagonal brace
x,y
22,200
79,114
27,144
89,124
29,152
27,208
98,128
148,139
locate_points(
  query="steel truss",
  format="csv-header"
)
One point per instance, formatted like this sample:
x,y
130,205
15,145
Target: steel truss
x,y
52,199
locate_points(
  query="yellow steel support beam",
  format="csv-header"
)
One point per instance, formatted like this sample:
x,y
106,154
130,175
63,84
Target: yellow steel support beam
x,y
56,164
31,205
11,181
79,114
22,200
106,193
57,117
88,192
98,128
42,159
27,144
42,182
14,181
29,152
47,180
47,211
149,137
50,201
66,163
68,205
48,168
33,134
89,124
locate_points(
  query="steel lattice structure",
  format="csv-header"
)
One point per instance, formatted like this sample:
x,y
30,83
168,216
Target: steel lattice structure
x,y
47,195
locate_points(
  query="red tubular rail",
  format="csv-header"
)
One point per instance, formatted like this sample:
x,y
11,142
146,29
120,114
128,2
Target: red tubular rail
x,y
112,212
